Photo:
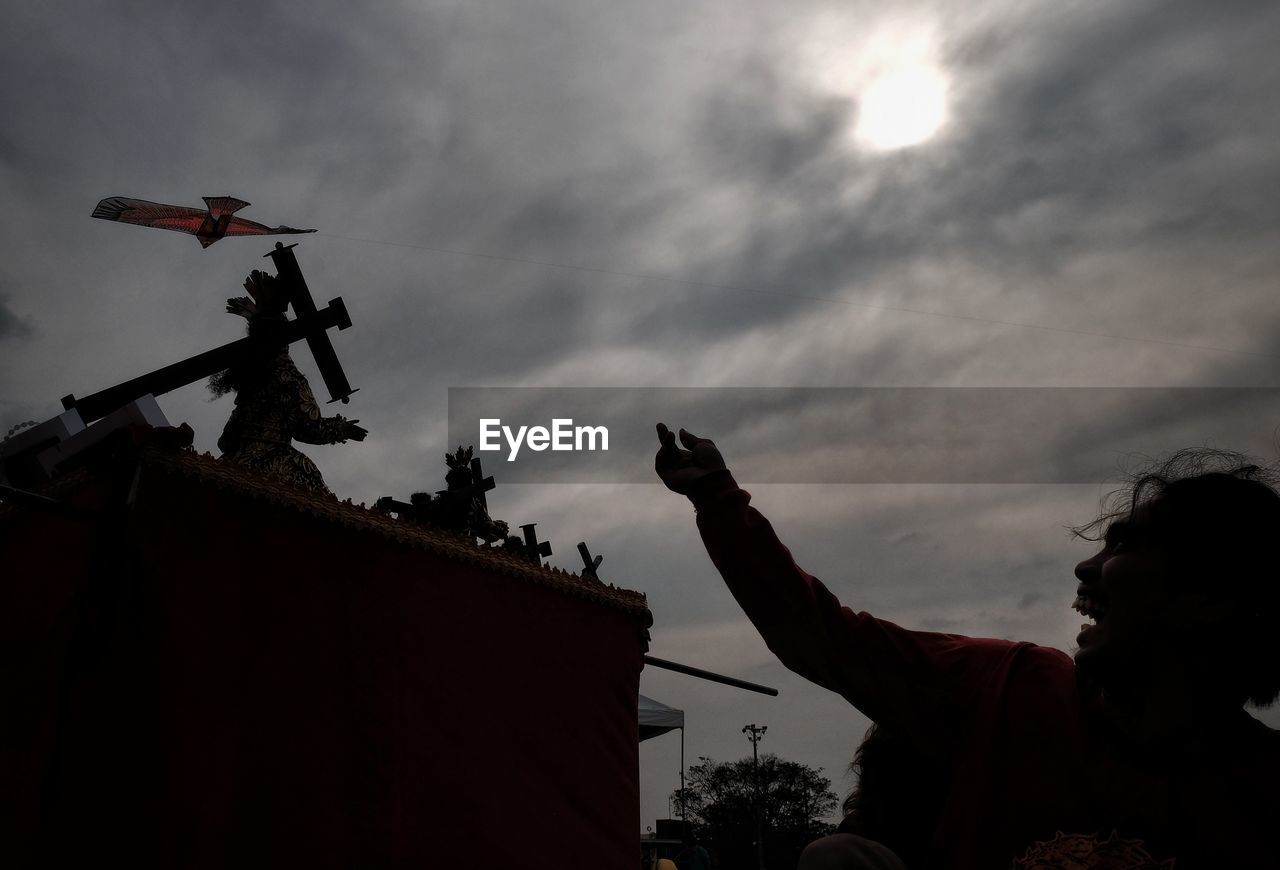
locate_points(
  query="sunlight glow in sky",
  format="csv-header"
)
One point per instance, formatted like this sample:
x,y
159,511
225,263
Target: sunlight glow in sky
x,y
890,73
902,107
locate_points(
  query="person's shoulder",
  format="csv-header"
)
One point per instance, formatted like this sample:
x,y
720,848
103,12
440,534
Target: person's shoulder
x,y
1045,664
1023,652
982,658
1261,736
1247,754
1046,655
1021,662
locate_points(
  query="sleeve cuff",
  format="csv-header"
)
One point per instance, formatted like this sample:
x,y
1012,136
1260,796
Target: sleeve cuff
x,y
712,488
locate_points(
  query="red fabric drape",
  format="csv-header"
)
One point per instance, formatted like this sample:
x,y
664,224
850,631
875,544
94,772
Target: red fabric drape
x,y
208,679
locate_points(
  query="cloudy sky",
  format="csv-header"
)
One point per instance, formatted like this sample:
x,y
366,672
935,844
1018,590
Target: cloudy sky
x,y
808,194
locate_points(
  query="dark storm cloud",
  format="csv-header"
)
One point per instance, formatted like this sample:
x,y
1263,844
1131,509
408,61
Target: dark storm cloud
x,y
1129,109
11,325
156,97
348,103
766,134
1126,123
1142,133
768,127
595,214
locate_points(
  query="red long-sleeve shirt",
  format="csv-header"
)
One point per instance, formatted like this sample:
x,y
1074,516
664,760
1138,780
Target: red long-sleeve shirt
x,y
1040,780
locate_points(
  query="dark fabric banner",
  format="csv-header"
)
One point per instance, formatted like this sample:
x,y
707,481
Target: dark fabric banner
x,y
207,676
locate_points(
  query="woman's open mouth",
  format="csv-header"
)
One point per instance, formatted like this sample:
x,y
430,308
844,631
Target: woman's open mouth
x,y
1090,607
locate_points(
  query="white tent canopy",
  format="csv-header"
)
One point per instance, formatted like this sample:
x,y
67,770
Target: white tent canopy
x,y
657,718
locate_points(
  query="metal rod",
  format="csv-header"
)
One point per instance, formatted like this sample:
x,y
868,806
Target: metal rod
x,y
708,675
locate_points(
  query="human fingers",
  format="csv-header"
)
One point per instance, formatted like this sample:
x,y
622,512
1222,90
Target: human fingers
x,y
668,439
669,455
690,441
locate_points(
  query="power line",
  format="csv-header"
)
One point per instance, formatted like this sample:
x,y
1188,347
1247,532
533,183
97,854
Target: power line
x,y
808,297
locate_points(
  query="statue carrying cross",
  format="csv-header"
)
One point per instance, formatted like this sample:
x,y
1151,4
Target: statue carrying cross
x,y
274,403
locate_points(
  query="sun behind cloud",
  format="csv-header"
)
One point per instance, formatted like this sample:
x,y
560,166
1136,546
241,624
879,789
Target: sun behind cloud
x,y
902,107
890,72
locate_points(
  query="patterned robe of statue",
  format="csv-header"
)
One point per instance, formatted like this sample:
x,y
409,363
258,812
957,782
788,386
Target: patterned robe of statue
x,y
274,408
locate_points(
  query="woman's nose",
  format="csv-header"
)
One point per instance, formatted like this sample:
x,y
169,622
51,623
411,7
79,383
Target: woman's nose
x,y
1088,569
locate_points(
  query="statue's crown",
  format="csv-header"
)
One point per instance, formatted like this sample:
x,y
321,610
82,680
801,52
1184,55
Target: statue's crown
x,y
268,292
460,459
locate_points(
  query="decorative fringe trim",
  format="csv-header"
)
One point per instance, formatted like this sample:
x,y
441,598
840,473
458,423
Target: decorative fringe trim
x,y
230,477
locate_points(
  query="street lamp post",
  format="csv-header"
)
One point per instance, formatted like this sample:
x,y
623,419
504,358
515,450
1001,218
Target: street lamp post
x,y
754,733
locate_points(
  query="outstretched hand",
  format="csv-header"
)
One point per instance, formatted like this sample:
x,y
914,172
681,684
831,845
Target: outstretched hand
x,y
681,469
352,432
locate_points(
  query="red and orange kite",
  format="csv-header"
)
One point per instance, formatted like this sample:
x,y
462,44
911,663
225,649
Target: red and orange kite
x,y
209,225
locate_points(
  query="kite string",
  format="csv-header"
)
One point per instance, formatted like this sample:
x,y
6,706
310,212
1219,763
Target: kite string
x,y
809,297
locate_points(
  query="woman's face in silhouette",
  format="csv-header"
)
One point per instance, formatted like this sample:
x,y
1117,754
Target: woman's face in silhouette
x,y
1136,610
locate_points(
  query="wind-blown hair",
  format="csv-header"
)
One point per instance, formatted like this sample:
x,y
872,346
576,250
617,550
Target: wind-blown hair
x,y
899,796
1216,514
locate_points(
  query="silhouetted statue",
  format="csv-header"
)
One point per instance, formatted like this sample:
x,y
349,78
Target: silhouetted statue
x,y
274,403
529,547
462,506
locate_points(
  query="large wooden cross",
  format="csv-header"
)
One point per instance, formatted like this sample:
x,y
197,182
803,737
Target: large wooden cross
x,y
308,324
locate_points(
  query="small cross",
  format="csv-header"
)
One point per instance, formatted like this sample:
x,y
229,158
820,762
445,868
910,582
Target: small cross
x,y
538,550
590,564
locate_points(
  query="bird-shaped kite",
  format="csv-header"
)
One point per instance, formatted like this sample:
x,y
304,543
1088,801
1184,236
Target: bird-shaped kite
x,y
208,226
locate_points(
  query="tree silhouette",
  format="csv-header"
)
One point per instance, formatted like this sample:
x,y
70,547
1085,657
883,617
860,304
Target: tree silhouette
x,y
719,801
